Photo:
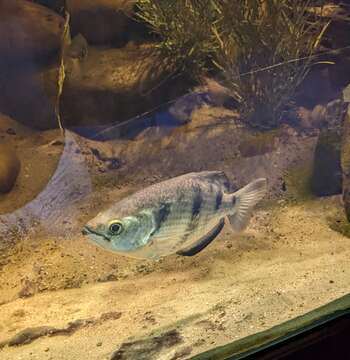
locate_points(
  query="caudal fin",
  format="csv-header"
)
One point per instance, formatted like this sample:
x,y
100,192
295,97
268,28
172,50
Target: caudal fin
x,y
245,200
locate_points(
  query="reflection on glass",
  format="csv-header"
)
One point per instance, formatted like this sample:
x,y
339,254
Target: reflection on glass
x,y
174,176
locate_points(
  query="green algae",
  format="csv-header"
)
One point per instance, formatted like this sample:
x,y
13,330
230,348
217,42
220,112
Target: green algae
x,y
298,183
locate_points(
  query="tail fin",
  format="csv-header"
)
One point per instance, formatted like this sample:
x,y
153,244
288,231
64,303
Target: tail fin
x,y
245,200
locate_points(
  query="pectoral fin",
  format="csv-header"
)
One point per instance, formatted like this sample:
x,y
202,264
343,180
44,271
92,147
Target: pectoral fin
x,y
203,242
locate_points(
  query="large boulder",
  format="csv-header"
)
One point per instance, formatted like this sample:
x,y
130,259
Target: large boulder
x,y
30,43
316,88
102,21
337,37
9,167
326,179
113,85
345,155
28,31
29,95
327,176
56,5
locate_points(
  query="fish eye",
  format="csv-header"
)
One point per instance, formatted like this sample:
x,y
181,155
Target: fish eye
x,y
115,227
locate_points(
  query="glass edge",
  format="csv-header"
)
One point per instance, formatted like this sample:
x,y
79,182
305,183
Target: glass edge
x,y
279,333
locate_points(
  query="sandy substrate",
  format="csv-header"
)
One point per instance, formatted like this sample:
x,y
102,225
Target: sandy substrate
x,y
63,298
288,263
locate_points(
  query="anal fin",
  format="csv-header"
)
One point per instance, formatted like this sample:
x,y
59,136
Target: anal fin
x,y
203,242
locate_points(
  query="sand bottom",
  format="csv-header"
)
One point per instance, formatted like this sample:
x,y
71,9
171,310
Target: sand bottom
x,y
288,263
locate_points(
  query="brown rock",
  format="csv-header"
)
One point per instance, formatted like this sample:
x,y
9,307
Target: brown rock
x,y
9,167
345,155
10,127
28,30
337,36
114,85
317,78
55,5
30,37
148,347
101,21
326,179
29,95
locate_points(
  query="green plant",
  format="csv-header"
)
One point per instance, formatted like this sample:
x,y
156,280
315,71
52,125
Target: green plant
x,y
186,43
265,51
262,48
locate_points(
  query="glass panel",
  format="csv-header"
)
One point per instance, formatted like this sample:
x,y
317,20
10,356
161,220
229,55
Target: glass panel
x,y
174,176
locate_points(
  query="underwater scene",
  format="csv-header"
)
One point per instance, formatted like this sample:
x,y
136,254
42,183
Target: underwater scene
x,y
174,175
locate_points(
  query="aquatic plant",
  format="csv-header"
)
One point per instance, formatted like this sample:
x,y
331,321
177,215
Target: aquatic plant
x,y
260,42
246,42
183,27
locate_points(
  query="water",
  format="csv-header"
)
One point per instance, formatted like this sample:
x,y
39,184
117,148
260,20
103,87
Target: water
x,y
63,297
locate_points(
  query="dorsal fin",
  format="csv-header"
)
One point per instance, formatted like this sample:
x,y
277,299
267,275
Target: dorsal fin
x,y
215,176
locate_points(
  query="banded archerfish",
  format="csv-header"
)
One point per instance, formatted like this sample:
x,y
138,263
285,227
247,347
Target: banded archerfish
x,y
181,215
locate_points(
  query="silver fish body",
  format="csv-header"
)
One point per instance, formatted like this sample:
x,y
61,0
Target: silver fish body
x,y
180,215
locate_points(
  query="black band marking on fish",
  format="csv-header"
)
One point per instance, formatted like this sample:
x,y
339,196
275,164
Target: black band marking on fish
x,y
197,203
218,200
196,208
164,212
161,217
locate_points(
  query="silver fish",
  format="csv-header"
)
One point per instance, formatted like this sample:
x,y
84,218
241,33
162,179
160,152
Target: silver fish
x,y
181,215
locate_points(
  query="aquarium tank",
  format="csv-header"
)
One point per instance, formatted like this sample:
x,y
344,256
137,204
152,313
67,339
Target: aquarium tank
x,y
174,176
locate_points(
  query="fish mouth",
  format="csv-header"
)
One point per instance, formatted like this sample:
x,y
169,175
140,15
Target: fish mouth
x,y
89,231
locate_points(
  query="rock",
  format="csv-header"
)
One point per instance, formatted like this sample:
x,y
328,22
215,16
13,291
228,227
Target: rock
x,y
327,172
183,108
10,131
340,73
337,36
182,353
113,85
78,48
147,348
102,21
346,96
28,31
28,335
316,88
309,119
326,179
345,155
217,93
29,95
9,167
10,128
55,5
30,41
29,288
329,116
